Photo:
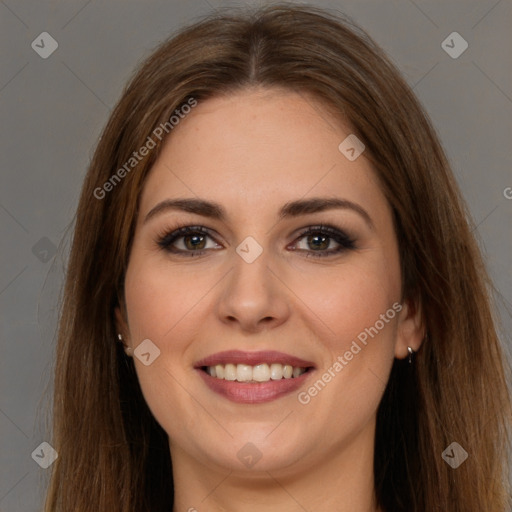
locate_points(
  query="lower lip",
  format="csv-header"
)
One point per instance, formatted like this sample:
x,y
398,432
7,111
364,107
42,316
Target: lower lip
x,y
254,393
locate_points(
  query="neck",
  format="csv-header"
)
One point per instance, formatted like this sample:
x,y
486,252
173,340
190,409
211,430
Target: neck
x,y
341,480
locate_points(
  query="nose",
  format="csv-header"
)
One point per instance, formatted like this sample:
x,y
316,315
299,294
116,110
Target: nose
x,y
253,297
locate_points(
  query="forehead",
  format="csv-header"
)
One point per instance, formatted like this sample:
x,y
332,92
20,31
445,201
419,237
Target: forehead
x,y
256,148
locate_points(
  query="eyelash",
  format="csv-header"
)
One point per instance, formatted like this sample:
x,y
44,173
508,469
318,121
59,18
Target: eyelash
x,y
166,239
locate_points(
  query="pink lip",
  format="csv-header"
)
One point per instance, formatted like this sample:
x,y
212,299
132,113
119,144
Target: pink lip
x,y
252,358
253,393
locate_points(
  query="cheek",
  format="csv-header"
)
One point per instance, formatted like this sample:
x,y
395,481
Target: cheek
x,y
162,306
161,301
358,348
356,322
343,302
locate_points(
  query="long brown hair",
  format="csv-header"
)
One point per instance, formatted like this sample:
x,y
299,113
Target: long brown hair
x,y
113,455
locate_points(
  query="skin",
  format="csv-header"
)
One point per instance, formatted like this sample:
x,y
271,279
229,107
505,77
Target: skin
x,y
252,152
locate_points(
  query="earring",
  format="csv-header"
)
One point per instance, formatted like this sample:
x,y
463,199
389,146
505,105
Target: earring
x,y
127,350
411,354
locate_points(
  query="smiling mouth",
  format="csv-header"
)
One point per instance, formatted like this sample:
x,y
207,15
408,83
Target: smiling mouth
x,y
263,372
254,377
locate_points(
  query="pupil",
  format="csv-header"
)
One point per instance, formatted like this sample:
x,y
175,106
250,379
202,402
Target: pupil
x,y
196,241
313,239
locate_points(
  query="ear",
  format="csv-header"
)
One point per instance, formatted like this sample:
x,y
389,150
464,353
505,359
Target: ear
x,y
410,330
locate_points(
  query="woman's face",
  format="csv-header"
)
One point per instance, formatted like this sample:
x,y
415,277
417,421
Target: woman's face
x,y
256,296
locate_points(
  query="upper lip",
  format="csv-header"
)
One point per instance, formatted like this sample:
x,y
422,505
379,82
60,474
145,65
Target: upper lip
x,y
253,358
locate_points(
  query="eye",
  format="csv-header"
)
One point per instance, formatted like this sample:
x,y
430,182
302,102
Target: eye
x,y
322,241
188,239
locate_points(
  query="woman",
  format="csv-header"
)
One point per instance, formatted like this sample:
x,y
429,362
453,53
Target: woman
x,y
274,300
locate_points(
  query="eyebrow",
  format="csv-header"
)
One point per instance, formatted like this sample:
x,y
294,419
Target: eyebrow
x,y
296,208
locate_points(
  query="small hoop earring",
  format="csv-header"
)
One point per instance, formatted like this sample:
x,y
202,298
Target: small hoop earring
x,y
127,350
411,354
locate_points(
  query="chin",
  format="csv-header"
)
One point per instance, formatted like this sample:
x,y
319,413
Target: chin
x,y
255,448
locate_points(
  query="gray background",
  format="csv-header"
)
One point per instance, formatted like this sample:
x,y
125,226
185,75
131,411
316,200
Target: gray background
x,y
53,110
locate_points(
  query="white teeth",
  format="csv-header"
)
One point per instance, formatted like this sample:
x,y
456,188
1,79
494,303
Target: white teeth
x,y
258,373
297,372
243,372
230,372
219,370
261,373
276,371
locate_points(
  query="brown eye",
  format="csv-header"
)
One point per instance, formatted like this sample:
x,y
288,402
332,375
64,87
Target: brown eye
x,y
318,242
324,241
193,242
187,241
